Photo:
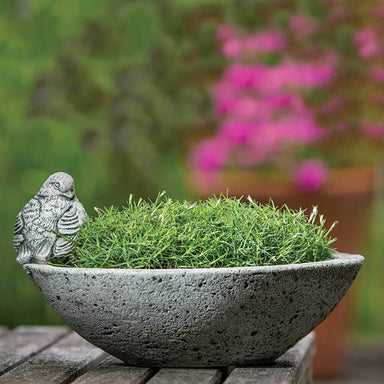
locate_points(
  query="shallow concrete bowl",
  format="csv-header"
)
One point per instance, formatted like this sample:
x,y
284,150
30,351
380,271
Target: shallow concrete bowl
x,y
196,317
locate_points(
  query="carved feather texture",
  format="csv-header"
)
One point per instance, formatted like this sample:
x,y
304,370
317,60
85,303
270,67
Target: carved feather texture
x,y
18,232
48,224
68,226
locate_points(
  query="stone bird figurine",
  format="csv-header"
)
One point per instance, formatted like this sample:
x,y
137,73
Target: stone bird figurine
x,y
55,211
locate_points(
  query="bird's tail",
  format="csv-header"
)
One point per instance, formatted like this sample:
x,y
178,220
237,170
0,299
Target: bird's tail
x,y
24,255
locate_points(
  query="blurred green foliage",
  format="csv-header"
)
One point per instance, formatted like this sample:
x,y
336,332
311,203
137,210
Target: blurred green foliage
x,y
102,90
72,99
369,287
99,89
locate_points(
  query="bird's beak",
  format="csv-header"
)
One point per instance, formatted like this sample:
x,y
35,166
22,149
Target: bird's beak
x,y
70,194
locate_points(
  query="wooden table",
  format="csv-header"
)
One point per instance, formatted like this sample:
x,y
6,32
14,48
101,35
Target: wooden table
x,y
45,355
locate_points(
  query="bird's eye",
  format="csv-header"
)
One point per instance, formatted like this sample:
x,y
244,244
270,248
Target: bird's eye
x,y
56,185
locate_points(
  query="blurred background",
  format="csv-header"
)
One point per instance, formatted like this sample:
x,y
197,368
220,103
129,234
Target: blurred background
x,y
281,99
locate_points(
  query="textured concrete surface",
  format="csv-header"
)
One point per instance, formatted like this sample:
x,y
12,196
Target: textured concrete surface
x,y
196,317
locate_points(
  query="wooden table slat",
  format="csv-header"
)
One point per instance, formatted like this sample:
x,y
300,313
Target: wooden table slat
x,y
113,371
45,355
291,368
60,363
18,345
186,376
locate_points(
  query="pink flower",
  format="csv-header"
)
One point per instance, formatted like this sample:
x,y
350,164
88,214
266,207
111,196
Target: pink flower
x,y
377,74
245,107
211,154
311,175
267,136
368,43
236,131
265,139
252,106
302,26
265,42
245,76
285,75
248,107
264,110
304,75
297,130
232,48
224,94
374,130
294,103
378,12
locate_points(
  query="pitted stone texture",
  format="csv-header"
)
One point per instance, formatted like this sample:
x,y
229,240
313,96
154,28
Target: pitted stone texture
x,y
197,317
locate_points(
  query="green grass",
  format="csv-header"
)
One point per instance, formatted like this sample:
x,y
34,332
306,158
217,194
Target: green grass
x,y
220,232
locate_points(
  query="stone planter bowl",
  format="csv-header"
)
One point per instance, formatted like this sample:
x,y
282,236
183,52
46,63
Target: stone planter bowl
x,y
196,317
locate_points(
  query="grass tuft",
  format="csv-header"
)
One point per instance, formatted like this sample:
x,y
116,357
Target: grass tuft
x,y
219,232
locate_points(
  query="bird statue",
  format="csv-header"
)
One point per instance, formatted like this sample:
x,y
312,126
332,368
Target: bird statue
x,y
48,224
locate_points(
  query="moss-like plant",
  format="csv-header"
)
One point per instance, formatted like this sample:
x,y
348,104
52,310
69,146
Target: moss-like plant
x,y
219,232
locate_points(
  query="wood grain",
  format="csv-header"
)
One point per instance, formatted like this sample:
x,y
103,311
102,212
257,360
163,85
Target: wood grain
x,y
45,355
60,363
113,371
186,376
21,343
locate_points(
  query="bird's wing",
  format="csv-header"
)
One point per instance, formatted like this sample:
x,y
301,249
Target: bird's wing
x,y
18,237
24,225
68,226
82,214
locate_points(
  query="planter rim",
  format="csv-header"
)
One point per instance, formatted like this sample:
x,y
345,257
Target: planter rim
x,y
336,260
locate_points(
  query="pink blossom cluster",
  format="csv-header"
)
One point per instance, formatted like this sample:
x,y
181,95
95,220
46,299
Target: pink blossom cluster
x,y
373,130
371,46
262,109
285,76
262,112
377,74
311,175
368,43
236,46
